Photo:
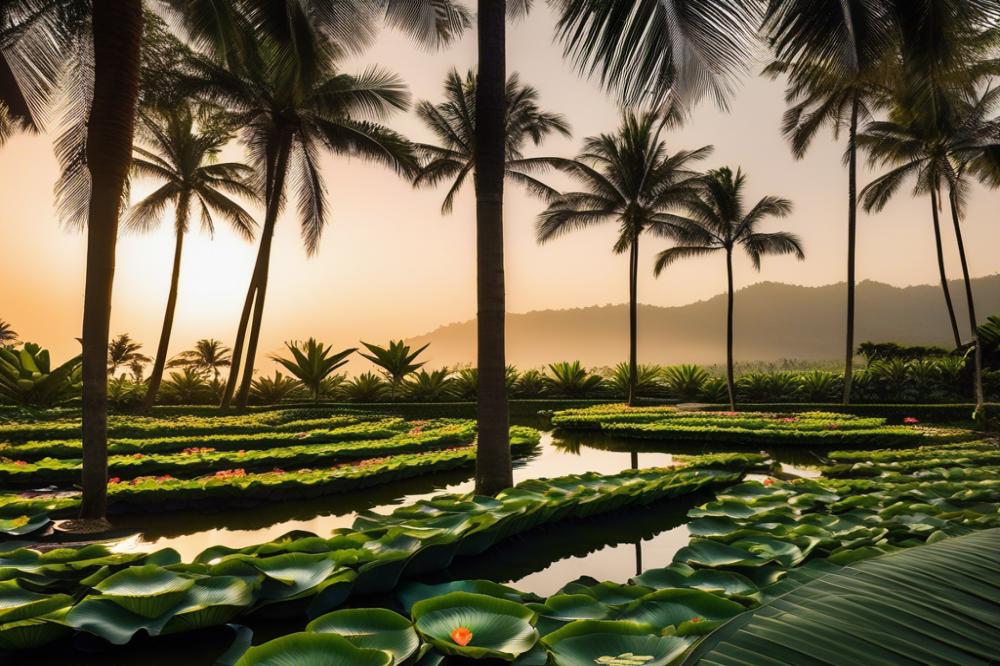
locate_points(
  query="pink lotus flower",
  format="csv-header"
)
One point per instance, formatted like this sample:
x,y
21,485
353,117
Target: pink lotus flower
x,y
114,479
910,420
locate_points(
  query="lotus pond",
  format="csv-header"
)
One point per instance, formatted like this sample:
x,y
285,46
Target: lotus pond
x,y
620,558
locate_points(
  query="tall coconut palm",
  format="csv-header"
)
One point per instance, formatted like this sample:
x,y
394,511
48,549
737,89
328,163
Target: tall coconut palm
x,y
719,221
123,351
936,148
289,111
834,54
641,50
208,355
633,181
183,157
453,123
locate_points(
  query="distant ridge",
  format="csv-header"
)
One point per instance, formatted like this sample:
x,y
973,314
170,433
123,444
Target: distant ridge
x,y
773,321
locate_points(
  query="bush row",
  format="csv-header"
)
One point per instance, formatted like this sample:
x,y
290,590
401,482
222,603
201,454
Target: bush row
x,y
201,460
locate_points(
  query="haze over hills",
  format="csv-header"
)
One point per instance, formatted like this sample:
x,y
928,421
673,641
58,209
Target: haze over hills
x,y
774,321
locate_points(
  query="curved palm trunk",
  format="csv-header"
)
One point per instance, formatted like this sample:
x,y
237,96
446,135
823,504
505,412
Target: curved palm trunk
x,y
633,293
493,461
730,380
117,35
852,241
156,376
970,302
939,246
258,286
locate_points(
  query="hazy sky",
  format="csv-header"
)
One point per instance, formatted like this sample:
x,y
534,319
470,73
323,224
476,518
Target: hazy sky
x,y
391,265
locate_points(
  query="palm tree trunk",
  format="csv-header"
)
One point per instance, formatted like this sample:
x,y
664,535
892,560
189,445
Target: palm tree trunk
x,y
117,36
156,376
970,302
730,380
258,284
633,294
493,461
852,241
941,270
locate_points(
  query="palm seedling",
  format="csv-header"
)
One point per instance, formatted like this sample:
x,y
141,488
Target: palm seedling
x,y
395,361
311,362
719,222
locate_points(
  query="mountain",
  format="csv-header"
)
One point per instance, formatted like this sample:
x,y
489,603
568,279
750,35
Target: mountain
x,y
774,321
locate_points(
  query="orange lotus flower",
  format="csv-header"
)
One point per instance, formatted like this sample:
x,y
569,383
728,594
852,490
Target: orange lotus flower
x,y
462,636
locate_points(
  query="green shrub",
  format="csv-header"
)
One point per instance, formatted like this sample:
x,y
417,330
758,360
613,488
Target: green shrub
x,y
28,378
572,380
685,382
433,386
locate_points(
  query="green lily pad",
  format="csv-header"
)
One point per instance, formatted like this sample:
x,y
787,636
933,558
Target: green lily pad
x,y
375,628
311,649
148,590
501,629
612,643
672,607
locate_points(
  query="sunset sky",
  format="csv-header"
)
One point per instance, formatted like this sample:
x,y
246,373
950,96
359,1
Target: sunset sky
x,y
391,265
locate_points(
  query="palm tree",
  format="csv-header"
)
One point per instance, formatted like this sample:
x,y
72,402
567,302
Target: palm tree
x,y
631,180
208,355
123,351
8,336
311,363
720,221
183,157
454,125
834,55
289,111
396,361
936,147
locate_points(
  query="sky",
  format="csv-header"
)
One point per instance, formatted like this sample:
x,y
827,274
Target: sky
x,y
391,266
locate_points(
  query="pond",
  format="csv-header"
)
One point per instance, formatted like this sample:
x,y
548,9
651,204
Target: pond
x,y
612,547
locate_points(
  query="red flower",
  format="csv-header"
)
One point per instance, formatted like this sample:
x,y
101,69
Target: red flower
x,y
910,420
768,481
462,636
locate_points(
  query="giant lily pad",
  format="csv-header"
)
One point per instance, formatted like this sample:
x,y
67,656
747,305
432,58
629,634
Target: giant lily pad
x,y
311,649
499,629
375,628
148,590
675,607
612,643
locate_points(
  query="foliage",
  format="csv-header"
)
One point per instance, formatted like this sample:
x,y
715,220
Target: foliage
x,y
889,351
424,386
647,380
366,387
530,384
572,380
395,361
312,362
208,355
685,382
123,351
125,393
272,390
28,378
189,387
8,336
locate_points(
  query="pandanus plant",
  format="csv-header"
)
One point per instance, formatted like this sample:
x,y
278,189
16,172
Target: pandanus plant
x,y
311,362
395,361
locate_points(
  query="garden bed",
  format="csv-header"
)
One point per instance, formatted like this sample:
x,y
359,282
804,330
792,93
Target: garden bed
x,y
751,429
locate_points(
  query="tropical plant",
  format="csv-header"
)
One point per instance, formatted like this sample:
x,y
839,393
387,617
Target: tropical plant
x,y
834,56
714,389
647,379
183,157
366,387
819,385
290,104
632,182
311,362
208,355
530,384
125,392
187,387
123,351
272,390
395,361
685,381
28,378
430,386
8,336
719,217
572,379
453,123
884,351
765,386
465,382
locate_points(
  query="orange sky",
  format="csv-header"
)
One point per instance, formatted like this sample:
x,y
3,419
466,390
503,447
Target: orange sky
x,y
390,265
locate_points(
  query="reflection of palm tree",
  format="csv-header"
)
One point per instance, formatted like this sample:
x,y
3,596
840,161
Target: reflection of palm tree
x,y
123,351
632,181
208,355
182,156
719,217
833,56
454,125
